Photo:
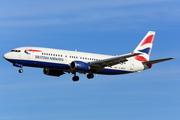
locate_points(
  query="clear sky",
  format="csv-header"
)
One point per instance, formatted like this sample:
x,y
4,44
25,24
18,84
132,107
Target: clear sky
x,y
110,27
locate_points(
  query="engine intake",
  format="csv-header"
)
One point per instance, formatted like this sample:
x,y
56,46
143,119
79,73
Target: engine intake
x,y
79,65
53,72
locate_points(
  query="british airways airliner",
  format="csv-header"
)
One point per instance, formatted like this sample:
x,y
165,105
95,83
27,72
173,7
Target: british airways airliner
x,y
56,62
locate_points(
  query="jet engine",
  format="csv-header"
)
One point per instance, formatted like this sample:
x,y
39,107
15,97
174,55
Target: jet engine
x,y
53,72
79,66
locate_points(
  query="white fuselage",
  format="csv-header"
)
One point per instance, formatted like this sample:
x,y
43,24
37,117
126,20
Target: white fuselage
x,y
56,62
61,59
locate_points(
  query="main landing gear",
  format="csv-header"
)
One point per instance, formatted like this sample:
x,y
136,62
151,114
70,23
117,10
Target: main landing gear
x,y
90,76
76,78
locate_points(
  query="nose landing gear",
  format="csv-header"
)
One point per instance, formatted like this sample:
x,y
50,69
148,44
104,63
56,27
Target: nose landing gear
x,y
18,65
21,70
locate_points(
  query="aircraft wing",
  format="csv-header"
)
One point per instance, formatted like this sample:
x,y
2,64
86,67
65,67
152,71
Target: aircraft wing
x,y
98,65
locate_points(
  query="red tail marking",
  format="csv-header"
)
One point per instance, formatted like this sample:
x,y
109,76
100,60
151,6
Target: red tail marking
x,y
149,39
140,58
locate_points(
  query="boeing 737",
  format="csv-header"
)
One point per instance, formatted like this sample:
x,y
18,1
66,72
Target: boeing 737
x,y
56,62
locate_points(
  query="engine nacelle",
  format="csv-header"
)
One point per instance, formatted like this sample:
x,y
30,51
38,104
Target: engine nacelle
x,y
53,72
79,65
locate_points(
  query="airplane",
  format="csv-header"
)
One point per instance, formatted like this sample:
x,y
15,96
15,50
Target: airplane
x,y
56,62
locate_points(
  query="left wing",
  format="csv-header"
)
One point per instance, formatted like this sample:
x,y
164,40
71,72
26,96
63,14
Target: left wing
x,y
98,65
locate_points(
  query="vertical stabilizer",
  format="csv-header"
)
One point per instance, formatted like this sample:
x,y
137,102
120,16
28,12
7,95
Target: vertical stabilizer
x,y
145,47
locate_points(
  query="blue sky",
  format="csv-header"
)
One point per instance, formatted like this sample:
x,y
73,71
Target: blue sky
x,y
99,26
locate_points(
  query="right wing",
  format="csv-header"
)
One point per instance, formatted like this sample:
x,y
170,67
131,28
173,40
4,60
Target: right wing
x,y
98,65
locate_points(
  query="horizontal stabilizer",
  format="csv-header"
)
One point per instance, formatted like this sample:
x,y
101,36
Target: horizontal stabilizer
x,y
157,61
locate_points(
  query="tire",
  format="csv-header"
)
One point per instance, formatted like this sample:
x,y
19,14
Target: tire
x,y
20,70
75,78
90,76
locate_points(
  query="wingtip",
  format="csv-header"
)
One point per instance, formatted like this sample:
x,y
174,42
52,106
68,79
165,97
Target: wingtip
x,y
171,58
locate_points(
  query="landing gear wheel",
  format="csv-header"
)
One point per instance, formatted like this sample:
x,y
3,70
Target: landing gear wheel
x,y
20,70
90,76
75,78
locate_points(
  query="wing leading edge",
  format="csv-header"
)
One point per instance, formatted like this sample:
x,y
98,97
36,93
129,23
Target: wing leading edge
x,y
98,65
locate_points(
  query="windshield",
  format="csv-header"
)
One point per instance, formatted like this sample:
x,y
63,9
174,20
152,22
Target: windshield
x,y
15,50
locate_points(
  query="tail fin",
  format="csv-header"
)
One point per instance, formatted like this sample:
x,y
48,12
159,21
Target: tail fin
x,y
145,47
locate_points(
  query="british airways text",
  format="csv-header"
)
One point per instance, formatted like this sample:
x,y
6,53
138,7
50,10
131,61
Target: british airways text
x,y
48,58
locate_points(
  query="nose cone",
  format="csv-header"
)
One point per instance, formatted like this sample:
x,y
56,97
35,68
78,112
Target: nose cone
x,y
7,56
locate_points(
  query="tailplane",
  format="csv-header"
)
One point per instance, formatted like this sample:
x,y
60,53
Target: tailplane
x,y
145,47
148,64
157,61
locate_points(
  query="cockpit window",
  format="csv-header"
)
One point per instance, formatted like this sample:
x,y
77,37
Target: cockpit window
x,y
15,50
